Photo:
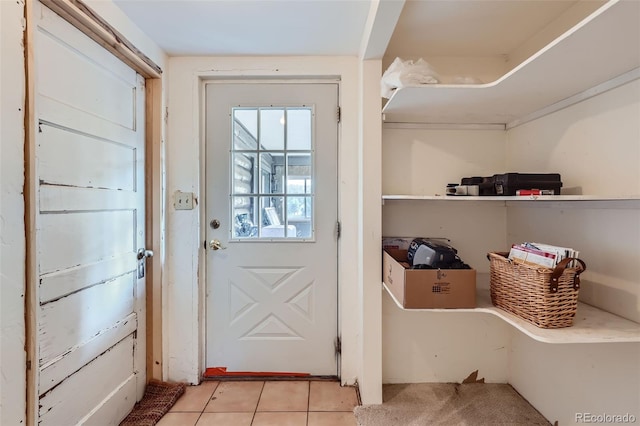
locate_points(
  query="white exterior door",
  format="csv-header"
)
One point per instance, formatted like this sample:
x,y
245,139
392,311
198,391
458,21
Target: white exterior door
x,y
89,224
271,216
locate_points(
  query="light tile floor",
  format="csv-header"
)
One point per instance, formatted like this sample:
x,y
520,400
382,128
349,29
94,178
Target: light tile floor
x,y
264,403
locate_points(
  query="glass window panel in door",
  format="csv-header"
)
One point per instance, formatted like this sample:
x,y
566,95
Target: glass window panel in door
x,y
272,167
272,123
298,128
245,128
245,218
244,173
273,219
299,213
299,173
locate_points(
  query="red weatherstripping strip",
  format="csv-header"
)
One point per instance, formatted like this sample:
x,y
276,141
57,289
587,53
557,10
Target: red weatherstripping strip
x,y
222,371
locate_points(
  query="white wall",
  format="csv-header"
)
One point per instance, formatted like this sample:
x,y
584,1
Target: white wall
x,y
595,145
568,19
12,233
424,161
183,280
443,347
563,380
369,257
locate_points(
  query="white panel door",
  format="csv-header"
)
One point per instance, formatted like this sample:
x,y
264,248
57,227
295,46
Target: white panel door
x,y
271,206
89,222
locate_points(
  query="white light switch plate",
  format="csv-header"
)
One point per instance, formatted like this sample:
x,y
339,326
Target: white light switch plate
x,y
183,200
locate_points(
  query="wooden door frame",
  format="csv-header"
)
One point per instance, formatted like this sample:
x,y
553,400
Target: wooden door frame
x,y
91,24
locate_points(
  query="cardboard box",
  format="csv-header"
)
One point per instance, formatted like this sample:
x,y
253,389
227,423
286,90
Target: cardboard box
x,y
401,243
427,288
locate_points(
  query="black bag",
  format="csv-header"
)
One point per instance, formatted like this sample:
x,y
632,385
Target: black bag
x,y
426,253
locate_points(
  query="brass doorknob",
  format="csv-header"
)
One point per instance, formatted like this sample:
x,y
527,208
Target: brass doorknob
x,y
216,245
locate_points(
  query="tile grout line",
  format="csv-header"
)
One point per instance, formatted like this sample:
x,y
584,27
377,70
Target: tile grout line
x,y
255,410
308,401
205,405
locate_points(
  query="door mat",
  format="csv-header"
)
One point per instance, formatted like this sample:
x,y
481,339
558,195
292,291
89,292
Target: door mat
x,y
158,398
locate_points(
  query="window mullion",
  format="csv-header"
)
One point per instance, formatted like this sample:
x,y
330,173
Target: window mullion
x,y
285,213
259,155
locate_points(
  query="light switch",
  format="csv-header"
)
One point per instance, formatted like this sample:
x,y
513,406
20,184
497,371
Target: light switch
x,y
183,200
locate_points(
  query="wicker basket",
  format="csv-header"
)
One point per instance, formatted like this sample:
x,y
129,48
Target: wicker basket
x,y
547,298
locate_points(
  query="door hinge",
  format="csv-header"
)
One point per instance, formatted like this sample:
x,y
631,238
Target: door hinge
x,y
337,345
339,114
338,229
29,365
166,114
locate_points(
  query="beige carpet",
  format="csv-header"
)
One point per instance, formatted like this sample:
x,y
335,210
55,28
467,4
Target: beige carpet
x,y
473,404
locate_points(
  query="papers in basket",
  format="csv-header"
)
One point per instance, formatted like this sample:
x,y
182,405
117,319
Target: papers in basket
x,y
538,254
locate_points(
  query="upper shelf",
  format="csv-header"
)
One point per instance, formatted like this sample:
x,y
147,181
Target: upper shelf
x,y
603,47
557,198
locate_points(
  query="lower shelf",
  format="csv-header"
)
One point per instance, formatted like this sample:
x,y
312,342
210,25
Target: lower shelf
x,y
590,325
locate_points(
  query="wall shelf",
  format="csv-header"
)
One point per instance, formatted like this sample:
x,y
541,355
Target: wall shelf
x,y
591,325
585,201
513,198
603,48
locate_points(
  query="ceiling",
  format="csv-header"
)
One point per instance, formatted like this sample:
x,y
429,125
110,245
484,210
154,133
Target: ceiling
x,y
251,27
338,27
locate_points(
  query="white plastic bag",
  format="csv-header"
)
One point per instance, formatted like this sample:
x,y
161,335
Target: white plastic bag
x,y
407,73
